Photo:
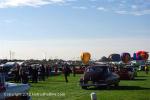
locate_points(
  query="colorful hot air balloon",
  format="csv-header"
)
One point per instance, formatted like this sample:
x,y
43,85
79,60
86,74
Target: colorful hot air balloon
x,y
142,55
85,57
134,56
125,57
115,57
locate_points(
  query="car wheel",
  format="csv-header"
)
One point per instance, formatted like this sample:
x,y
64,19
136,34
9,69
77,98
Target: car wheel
x,y
133,78
116,84
108,87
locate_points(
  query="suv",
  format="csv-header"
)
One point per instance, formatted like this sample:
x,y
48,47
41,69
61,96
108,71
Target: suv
x,y
99,75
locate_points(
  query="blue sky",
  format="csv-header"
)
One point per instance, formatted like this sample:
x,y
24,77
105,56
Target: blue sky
x,y
65,28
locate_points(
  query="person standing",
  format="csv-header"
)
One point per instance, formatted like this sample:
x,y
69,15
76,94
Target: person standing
x,y
146,69
30,71
43,72
74,70
23,74
16,72
47,71
56,69
34,75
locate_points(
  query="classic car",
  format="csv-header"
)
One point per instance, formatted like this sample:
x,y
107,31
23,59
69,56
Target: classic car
x,y
99,75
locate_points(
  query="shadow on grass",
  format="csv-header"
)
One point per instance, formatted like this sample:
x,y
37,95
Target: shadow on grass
x,y
134,79
142,76
119,88
139,79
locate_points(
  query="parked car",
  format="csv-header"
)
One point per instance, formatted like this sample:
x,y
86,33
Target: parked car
x,y
99,75
13,91
79,70
126,73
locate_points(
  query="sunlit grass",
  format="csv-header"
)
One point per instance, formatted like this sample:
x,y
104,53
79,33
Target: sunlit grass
x,y
138,89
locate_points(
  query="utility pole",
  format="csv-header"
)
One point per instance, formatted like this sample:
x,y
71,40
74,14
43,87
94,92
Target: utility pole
x,y
10,54
45,55
13,55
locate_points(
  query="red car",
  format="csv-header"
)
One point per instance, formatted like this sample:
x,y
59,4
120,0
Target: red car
x,y
79,70
126,73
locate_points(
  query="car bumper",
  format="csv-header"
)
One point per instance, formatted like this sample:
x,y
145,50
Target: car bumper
x,y
93,84
100,83
90,83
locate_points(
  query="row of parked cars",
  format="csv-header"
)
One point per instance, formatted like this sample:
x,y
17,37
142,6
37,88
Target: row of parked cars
x,y
105,75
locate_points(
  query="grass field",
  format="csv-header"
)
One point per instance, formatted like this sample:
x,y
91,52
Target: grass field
x,y
138,89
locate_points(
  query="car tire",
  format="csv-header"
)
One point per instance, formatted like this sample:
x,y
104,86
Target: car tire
x,y
133,78
116,84
108,87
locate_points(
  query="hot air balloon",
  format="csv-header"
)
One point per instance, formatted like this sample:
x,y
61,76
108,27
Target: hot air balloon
x,y
142,55
134,56
85,57
115,57
125,57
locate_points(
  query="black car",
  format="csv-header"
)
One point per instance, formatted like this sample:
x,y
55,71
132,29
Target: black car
x,y
99,75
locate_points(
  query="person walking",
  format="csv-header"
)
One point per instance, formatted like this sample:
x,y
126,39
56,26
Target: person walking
x,y
66,71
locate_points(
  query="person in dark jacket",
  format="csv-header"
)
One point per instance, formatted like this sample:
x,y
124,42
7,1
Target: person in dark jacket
x,y
43,72
74,70
56,69
30,71
66,71
47,71
16,73
34,75
23,74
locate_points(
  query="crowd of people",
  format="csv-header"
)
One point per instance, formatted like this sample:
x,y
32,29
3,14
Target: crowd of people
x,y
23,73
26,73
38,72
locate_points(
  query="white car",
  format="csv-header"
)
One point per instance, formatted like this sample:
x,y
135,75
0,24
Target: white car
x,y
13,91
